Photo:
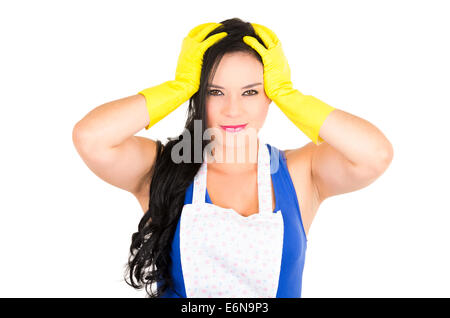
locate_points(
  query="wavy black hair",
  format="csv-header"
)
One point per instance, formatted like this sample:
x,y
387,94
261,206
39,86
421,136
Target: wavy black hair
x,y
149,260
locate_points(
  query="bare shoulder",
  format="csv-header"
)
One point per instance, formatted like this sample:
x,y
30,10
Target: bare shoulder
x,y
300,154
298,162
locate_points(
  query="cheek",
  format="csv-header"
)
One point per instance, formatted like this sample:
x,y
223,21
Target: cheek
x,y
259,114
212,112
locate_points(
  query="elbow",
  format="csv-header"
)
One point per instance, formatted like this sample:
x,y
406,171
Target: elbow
x,y
81,138
77,134
384,158
387,154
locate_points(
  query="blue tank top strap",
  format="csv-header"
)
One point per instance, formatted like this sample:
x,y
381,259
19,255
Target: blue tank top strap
x,y
294,241
282,178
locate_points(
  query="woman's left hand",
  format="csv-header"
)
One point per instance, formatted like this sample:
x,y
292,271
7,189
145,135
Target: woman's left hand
x,y
277,74
305,111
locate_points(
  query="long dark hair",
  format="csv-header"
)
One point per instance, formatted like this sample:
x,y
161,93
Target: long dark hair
x,y
149,261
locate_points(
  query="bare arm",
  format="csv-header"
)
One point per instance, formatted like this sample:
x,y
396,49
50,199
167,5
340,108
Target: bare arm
x,y
354,154
105,140
110,124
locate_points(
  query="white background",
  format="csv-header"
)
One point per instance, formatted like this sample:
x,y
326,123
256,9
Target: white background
x,y
66,233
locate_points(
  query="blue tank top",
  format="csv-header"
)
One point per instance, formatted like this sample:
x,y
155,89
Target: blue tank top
x,y
294,237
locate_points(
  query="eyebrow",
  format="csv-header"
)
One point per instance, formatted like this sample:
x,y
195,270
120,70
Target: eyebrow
x,y
247,86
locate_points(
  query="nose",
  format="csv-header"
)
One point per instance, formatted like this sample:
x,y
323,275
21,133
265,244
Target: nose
x,y
233,107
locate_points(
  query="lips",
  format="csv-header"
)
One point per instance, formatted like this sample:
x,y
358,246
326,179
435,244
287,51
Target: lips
x,y
233,128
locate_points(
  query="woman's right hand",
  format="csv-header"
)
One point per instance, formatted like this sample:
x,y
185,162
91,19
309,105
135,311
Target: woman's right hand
x,y
190,61
162,99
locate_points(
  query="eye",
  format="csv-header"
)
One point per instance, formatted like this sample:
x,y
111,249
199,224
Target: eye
x,y
211,92
252,90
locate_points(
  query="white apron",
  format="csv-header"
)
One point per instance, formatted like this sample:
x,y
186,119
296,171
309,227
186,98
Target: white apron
x,y
224,254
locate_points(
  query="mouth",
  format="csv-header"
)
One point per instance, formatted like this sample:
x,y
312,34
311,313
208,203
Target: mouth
x,y
233,128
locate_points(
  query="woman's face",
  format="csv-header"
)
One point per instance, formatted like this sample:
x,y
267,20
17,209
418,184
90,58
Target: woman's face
x,y
230,102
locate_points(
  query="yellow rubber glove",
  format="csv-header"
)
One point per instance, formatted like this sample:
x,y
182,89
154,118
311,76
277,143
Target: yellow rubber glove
x,y
166,97
306,112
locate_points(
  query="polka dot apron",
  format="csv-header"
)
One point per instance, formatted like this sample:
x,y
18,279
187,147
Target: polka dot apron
x,y
225,254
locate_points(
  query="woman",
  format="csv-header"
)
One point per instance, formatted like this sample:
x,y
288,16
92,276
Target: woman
x,y
227,228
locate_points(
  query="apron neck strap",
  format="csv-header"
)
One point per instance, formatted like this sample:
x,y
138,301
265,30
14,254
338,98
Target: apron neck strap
x,y
264,180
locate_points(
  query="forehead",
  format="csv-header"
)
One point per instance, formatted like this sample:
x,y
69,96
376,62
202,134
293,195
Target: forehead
x,y
238,69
